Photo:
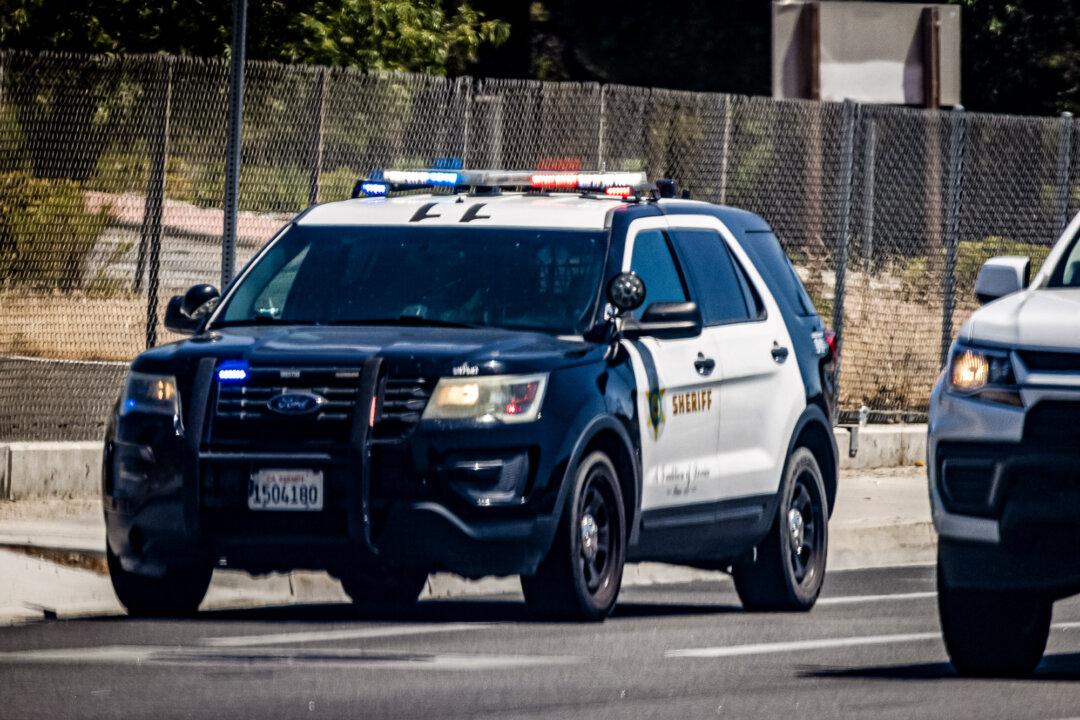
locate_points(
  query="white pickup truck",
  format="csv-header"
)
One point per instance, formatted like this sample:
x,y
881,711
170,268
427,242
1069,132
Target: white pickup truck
x,y
1004,463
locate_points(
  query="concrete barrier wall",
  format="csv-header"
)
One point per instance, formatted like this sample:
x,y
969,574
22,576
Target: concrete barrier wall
x,y
73,469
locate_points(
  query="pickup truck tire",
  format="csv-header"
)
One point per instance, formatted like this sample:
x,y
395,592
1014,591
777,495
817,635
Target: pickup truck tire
x,y
582,573
177,593
993,633
789,564
392,588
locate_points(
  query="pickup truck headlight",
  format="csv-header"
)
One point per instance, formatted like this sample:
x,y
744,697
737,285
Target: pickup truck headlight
x,y
148,393
986,373
494,398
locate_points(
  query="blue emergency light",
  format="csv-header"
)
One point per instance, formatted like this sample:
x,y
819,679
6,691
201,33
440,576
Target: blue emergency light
x,y
232,371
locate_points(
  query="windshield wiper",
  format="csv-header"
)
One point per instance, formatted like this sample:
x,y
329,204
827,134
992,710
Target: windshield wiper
x,y
410,320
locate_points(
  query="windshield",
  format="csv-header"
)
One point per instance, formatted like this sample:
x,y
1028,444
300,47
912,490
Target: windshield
x,y
546,280
1067,273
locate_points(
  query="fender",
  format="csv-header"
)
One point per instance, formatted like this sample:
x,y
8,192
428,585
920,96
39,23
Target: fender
x,y
813,414
591,428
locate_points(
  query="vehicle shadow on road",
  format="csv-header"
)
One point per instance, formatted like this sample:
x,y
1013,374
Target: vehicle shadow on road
x,y
1065,666
433,611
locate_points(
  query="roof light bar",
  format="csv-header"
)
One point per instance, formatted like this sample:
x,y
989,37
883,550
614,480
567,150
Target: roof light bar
x,y
382,182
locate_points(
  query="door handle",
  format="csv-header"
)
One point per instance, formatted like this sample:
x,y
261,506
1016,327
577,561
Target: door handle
x,y
779,353
704,365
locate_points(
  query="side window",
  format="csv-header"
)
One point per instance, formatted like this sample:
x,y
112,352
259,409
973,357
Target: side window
x,y
654,263
724,293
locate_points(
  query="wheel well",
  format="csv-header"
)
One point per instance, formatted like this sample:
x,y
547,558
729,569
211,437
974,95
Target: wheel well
x,y
609,443
815,438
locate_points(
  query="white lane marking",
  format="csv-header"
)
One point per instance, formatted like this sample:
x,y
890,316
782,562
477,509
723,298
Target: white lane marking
x,y
822,644
331,635
852,599
167,655
799,645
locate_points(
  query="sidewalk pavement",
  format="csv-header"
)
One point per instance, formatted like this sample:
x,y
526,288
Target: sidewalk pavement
x,y
882,518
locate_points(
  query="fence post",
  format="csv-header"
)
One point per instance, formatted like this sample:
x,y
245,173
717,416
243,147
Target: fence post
x,y
1063,170
851,109
953,209
318,116
869,162
155,201
725,146
466,83
600,164
232,149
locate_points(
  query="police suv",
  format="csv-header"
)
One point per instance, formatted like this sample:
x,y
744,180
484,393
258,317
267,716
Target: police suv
x,y
545,374
1004,461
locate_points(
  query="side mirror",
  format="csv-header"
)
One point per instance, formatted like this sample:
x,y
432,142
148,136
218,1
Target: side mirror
x,y
175,320
666,321
626,292
184,312
1002,276
199,300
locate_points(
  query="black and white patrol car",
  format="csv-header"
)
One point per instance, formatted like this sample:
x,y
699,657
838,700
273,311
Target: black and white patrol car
x,y
547,382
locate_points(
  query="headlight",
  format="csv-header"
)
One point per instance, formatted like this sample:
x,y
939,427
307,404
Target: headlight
x,y
496,398
975,369
150,394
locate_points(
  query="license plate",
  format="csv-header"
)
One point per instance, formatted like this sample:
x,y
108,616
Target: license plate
x,y
300,490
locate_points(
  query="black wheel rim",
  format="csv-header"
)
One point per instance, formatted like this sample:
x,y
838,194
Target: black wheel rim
x,y
804,526
597,532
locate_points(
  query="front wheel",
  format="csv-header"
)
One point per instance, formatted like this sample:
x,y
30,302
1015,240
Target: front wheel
x,y
177,593
789,566
581,576
993,634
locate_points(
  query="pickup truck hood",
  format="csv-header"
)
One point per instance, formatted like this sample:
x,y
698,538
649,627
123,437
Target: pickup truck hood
x,y
1041,318
431,350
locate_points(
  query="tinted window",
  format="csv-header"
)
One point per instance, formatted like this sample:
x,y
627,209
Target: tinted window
x,y
545,280
1067,273
722,293
655,265
784,283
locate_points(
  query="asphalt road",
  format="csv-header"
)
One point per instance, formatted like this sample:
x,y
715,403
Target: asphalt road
x,y
870,649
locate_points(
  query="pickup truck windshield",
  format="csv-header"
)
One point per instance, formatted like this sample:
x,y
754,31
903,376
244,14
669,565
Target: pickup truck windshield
x,y
529,279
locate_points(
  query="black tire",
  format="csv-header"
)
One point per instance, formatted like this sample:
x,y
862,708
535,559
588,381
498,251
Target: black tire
x,y
581,575
993,634
383,588
177,593
789,565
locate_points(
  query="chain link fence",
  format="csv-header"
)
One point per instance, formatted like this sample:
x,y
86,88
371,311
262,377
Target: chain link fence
x,y
112,184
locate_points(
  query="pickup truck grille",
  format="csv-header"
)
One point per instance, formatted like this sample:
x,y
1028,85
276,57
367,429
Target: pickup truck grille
x,y
1037,361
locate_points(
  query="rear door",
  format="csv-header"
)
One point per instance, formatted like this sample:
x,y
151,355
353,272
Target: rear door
x,y
761,394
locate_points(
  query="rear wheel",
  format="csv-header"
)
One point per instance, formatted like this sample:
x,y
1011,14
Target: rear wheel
x,y
383,587
993,634
789,566
581,576
176,593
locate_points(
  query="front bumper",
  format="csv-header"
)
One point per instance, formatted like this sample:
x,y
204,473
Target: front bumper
x,y
1005,490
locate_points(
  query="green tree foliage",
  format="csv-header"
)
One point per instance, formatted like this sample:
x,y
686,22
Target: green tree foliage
x,y
432,36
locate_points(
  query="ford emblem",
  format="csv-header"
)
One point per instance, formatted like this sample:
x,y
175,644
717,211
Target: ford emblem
x,y
295,403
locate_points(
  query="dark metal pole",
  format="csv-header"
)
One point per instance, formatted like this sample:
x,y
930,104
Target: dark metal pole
x,y
843,238
1064,170
318,117
232,148
155,200
952,225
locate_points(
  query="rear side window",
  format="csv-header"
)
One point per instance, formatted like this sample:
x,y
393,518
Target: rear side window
x,y
655,265
721,288
774,264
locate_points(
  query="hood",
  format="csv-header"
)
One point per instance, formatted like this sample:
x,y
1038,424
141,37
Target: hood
x,y
1042,318
432,351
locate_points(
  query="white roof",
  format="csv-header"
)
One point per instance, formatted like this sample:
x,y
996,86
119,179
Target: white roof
x,y
567,210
